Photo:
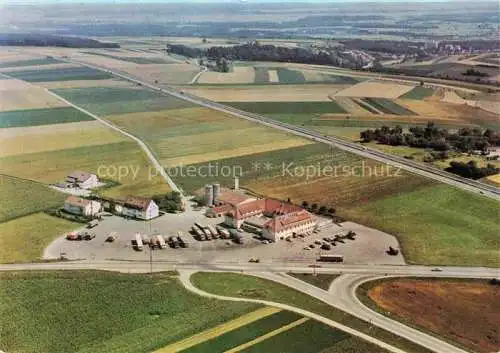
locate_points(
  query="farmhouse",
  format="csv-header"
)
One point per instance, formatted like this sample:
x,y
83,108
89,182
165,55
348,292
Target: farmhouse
x,y
82,180
277,220
77,205
138,207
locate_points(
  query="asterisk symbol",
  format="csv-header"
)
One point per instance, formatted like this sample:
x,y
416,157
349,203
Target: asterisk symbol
x,y
268,166
255,166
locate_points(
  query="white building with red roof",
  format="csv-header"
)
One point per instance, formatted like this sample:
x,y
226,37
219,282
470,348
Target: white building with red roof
x,y
77,205
138,207
278,220
83,180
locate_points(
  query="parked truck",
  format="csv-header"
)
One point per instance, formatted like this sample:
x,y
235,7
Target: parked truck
x,y
237,237
137,243
161,241
224,233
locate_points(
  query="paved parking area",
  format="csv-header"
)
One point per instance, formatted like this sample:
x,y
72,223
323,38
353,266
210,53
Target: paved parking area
x,y
368,247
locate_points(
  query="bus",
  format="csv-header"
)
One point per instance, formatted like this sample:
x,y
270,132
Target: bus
x,y
331,258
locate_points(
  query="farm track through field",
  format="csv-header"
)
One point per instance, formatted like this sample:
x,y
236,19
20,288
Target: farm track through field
x,y
142,144
219,330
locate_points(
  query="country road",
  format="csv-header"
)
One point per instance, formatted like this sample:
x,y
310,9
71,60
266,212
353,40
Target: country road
x,y
398,162
157,165
185,280
342,293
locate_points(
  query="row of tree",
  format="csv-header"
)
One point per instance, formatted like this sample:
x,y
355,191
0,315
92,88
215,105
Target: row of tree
x,y
315,208
170,202
471,170
440,139
255,52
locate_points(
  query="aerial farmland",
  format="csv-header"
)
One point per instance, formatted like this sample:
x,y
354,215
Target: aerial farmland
x,y
265,177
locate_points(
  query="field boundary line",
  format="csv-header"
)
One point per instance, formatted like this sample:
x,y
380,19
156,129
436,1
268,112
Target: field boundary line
x,y
185,278
142,144
268,335
219,330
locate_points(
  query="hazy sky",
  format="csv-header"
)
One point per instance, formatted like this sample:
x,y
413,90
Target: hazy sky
x,y
207,1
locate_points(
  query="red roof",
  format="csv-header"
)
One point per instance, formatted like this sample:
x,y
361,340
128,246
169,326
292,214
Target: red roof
x,y
138,202
232,198
79,176
270,206
282,222
76,201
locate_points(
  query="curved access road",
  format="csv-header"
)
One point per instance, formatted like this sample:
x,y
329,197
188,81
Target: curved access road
x,y
185,280
398,162
342,295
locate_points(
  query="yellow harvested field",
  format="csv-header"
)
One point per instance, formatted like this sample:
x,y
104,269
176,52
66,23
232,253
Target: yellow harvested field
x,y
350,106
284,93
273,76
13,84
375,89
163,73
452,97
235,152
490,106
17,95
240,74
20,140
312,75
219,330
494,178
85,83
267,335
38,67
16,55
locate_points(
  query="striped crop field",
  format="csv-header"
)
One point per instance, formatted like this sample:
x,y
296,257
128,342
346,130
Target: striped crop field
x,y
261,75
64,74
289,107
387,106
29,62
36,117
290,76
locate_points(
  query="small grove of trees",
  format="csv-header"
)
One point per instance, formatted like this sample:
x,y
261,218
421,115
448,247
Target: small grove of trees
x,y
315,208
430,136
471,170
471,72
170,202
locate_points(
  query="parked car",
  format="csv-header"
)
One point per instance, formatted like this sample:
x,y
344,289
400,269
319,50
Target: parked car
x,y
254,260
111,237
317,242
326,247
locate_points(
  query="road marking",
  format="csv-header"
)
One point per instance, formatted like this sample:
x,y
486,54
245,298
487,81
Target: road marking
x,y
268,335
219,330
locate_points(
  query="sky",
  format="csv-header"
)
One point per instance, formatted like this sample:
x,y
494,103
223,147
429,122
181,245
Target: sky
x,y
207,1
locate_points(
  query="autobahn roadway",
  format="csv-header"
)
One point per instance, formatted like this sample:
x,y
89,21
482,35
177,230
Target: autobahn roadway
x,y
395,161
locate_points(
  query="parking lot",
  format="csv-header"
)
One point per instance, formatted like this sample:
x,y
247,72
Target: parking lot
x,y
369,245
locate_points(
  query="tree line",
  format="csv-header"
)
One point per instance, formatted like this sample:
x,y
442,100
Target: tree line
x,y
463,140
255,52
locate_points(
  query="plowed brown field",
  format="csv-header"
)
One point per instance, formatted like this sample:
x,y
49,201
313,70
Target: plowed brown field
x,y
465,312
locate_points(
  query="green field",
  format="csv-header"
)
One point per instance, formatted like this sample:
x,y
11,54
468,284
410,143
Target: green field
x,y
439,225
245,286
261,75
23,239
320,280
341,80
32,62
387,106
246,333
54,166
290,76
292,108
418,92
115,100
45,116
64,74
22,197
365,106
317,337
134,59
71,311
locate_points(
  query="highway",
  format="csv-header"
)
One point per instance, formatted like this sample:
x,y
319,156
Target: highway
x,y
396,161
341,295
